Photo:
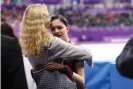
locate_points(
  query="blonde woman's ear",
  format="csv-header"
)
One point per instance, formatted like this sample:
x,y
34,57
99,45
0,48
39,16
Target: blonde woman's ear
x,y
47,24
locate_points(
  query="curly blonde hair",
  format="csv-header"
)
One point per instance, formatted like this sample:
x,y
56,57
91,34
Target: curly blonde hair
x,y
34,33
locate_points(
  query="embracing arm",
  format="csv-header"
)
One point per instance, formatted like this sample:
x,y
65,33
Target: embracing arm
x,y
79,80
62,67
62,49
78,75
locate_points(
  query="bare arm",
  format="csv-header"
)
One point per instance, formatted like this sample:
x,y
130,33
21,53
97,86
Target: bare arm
x,y
79,74
79,79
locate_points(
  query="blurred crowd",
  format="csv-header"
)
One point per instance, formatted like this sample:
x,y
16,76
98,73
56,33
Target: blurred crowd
x,y
79,17
89,18
12,14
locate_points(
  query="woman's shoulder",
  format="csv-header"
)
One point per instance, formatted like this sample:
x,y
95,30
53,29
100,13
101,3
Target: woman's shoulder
x,y
55,41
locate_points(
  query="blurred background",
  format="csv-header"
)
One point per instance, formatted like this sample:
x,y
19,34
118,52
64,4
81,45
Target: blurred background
x,y
102,26
90,20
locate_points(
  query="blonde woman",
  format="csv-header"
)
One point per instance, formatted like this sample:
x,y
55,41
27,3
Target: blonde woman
x,y
34,37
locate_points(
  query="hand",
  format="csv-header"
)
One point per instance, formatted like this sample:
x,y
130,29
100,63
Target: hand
x,y
71,42
55,66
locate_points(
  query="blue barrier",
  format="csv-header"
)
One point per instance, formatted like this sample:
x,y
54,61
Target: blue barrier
x,y
104,75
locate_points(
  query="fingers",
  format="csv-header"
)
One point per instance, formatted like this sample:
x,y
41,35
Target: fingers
x,y
50,63
53,63
51,67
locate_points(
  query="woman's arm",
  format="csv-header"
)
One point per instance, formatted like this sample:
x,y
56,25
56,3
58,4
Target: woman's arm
x,y
78,78
62,67
62,49
79,74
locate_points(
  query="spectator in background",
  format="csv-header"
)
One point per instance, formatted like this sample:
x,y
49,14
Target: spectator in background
x,y
124,61
3,20
12,66
7,30
16,26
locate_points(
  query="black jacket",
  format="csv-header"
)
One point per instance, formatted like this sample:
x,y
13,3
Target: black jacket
x,y
124,61
12,67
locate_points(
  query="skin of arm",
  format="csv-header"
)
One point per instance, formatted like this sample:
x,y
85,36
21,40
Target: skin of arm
x,y
78,76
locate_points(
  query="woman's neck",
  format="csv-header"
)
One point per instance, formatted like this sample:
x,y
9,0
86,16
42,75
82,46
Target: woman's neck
x,y
67,39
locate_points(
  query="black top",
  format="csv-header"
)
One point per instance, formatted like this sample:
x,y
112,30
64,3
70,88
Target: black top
x,y
12,67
